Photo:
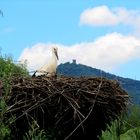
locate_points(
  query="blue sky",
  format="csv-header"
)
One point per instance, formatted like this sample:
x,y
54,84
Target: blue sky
x,y
104,34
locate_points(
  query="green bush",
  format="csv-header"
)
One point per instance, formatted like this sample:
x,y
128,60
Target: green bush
x,y
131,134
7,70
112,132
127,127
35,133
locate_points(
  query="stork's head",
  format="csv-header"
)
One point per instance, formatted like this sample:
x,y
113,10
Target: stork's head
x,y
55,51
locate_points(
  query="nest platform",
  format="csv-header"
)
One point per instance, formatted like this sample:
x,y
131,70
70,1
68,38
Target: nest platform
x,y
70,107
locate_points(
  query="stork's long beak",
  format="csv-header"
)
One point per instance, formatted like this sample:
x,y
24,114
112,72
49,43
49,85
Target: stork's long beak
x,y
56,54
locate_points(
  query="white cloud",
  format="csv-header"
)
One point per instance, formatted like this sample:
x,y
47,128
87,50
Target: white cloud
x,y
106,52
105,16
98,16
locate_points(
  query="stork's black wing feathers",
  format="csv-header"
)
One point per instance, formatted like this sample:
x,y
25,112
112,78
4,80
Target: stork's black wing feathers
x,y
34,74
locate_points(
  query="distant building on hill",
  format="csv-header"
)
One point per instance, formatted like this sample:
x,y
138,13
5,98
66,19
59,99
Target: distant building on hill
x,y
74,61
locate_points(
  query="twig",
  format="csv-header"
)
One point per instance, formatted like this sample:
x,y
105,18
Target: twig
x,y
87,114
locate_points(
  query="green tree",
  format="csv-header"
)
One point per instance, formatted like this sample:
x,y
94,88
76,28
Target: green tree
x,y
125,128
7,70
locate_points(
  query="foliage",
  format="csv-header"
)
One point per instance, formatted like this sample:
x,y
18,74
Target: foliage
x,y
4,132
131,134
7,70
35,133
112,132
125,128
131,119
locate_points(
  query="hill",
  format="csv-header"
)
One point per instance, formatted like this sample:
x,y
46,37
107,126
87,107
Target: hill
x,y
77,70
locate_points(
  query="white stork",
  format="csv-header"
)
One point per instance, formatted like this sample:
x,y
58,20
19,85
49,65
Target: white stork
x,y
49,69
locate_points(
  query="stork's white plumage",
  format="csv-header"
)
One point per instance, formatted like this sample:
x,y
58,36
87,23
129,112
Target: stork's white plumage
x,y
49,69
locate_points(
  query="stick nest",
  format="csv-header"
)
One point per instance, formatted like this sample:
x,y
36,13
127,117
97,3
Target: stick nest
x,y
71,107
